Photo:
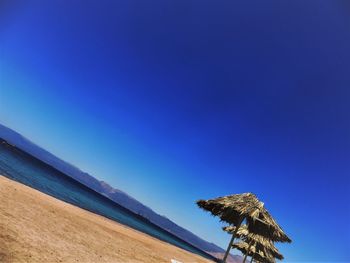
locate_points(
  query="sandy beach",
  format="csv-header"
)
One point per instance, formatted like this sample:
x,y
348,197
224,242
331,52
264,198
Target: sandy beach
x,y
35,227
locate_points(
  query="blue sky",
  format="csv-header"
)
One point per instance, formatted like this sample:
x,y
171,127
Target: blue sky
x,y
174,101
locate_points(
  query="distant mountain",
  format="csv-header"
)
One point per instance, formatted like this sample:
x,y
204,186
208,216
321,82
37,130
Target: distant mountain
x,y
105,189
230,258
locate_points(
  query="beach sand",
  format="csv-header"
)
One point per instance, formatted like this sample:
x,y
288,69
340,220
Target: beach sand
x,y
35,227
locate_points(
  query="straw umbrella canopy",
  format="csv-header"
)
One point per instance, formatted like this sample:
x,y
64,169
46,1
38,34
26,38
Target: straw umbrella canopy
x,y
264,225
260,242
233,209
254,252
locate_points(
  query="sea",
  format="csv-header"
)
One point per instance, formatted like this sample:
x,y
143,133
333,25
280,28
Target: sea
x,y
26,169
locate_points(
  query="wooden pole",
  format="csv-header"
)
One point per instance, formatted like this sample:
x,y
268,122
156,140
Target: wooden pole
x,y
251,260
228,248
231,241
248,250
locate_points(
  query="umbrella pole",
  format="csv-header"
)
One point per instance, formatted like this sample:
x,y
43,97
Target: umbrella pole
x,y
228,248
231,241
251,260
248,250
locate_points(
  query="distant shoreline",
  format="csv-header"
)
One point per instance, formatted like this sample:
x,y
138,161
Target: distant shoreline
x,y
11,147
35,227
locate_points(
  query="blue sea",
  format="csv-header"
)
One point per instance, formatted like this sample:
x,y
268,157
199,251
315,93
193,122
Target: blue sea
x,y
25,169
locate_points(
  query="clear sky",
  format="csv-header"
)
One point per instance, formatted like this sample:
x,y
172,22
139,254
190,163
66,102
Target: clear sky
x,y
173,101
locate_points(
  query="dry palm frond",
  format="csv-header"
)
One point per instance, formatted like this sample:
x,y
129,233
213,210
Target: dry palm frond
x,y
261,243
258,255
266,226
233,208
230,208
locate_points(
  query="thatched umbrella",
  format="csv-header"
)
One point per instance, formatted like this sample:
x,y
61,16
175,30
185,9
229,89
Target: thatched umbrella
x,y
260,242
264,225
233,209
254,252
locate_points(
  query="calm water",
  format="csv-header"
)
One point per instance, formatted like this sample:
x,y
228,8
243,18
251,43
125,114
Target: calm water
x,y
29,171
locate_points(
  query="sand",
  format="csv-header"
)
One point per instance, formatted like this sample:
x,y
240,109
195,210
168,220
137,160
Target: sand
x,y
35,227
